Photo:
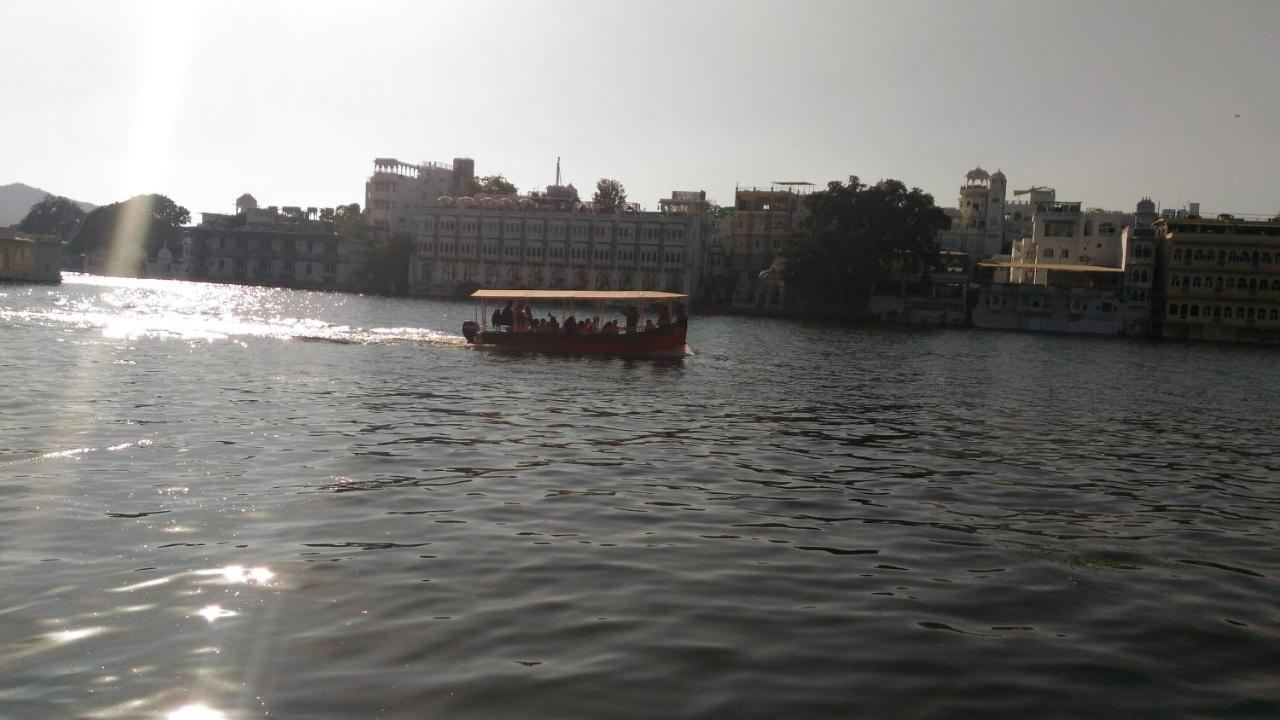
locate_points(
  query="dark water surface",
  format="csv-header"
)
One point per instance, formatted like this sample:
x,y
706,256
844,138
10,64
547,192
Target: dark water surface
x,y
221,502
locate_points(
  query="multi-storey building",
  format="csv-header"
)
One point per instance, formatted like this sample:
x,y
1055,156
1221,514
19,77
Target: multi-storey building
x,y
1062,233
1071,273
755,234
552,240
288,247
397,193
977,224
1140,246
1018,212
1221,278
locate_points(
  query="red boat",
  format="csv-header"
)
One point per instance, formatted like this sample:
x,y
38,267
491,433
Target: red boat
x,y
664,339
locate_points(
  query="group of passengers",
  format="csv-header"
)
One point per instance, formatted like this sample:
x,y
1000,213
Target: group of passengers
x,y
518,317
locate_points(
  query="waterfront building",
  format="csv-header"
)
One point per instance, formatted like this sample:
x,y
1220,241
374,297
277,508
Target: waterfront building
x,y
166,265
28,257
397,192
936,294
1221,278
287,247
1019,212
1063,233
553,240
977,224
1069,275
756,234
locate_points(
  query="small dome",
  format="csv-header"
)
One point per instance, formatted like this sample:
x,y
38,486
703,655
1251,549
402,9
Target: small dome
x,y
246,201
977,174
1145,206
998,175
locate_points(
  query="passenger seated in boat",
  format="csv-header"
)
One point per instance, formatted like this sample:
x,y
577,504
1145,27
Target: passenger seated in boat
x,y
648,324
553,325
631,318
570,325
610,328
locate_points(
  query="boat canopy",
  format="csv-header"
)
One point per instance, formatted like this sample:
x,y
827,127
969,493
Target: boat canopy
x,y
598,295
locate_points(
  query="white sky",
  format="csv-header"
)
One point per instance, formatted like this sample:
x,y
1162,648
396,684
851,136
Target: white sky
x,y
1106,101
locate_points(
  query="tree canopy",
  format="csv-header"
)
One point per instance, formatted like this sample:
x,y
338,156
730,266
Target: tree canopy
x,y
610,194
132,230
489,185
852,235
54,215
347,219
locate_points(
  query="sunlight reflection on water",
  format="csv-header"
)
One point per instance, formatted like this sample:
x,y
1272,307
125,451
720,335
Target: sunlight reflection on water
x,y
196,711
130,309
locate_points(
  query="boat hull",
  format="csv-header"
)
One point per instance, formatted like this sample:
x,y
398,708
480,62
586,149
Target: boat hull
x,y
659,342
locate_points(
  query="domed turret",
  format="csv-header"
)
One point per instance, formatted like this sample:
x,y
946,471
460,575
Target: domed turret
x,y
1146,207
246,202
977,174
997,176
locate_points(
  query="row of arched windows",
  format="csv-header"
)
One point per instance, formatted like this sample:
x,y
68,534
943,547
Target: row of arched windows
x,y
1221,282
1221,255
1225,312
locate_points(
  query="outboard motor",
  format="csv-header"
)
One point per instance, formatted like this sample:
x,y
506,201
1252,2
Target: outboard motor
x,y
469,330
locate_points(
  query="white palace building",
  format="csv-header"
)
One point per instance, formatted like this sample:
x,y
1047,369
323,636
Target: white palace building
x,y
554,240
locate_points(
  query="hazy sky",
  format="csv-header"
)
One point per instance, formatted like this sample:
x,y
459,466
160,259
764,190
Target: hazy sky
x,y
291,101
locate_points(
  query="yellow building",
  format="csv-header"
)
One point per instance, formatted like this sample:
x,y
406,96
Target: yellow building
x,y
26,257
1221,279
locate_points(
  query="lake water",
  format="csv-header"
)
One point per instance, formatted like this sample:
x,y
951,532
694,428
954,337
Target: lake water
x,y
221,503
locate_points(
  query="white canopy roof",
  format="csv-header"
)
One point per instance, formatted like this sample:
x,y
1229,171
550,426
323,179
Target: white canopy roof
x,y
600,295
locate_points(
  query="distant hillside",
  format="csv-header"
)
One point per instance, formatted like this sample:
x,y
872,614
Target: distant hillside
x,y
16,199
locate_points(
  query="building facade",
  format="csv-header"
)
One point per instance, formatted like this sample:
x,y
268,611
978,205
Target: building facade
x,y
285,247
1063,233
552,240
755,235
1078,271
1221,278
977,223
28,257
397,192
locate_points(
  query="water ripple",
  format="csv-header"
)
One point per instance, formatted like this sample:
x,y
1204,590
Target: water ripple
x,y
222,502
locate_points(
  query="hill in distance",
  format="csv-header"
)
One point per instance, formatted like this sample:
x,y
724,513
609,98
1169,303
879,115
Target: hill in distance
x,y
16,200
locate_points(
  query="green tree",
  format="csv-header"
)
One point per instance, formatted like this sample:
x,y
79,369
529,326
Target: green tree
x,y
347,220
854,233
54,215
489,185
130,231
610,195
